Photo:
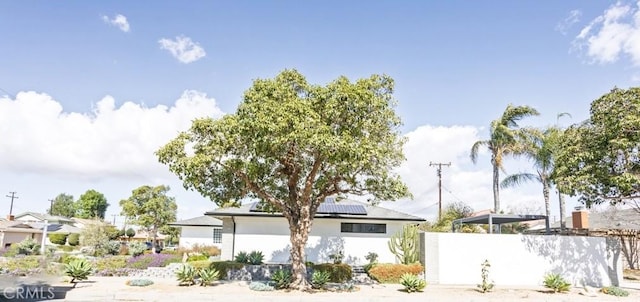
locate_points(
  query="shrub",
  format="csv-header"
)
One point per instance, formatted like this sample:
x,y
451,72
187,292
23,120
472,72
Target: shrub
x,y
66,258
24,263
208,275
112,247
28,247
96,236
11,251
152,260
260,286
137,248
223,267
73,239
320,278
337,257
202,264
208,250
242,257
391,273
78,270
66,248
282,279
139,282
197,258
130,232
255,258
557,283
110,263
372,257
339,273
412,283
615,291
186,275
486,285
56,238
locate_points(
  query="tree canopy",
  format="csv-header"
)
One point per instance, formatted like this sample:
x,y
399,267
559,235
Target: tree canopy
x,y
150,208
505,138
599,159
91,204
63,205
291,144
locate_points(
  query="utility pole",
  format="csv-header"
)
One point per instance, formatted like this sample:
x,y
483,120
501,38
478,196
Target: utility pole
x,y
12,196
114,218
439,169
51,207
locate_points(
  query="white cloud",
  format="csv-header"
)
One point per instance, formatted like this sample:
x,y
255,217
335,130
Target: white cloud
x,y
612,35
573,18
118,21
39,137
183,49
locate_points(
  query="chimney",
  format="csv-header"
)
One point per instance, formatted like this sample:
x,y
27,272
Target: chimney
x,y
11,217
580,218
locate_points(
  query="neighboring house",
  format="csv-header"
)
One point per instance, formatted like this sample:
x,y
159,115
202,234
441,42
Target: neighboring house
x,y
143,236
351,227
203,230
17,231
38,217
82,222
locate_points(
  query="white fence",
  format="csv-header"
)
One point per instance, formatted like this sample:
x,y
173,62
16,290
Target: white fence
x,y
456,258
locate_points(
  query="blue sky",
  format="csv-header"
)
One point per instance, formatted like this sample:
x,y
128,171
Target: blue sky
x,y
457,64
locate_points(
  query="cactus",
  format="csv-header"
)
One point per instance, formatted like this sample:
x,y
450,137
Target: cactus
x,y
404,244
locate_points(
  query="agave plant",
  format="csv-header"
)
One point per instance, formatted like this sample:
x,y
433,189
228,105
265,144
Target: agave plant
x,y
255,258
242,257
208,275
557,283
186,275
78,270
282,279
412,283
320,278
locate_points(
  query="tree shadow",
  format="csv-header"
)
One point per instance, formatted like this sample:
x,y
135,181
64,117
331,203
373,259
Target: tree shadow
x,y
579,259
28,291
319,252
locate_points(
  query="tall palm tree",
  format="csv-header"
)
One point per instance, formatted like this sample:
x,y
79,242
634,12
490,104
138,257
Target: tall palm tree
x,y
504,139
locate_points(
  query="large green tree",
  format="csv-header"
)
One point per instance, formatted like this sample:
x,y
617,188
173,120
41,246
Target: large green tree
x,y
291,144
505,138
63,205
150,208
600,158
92,204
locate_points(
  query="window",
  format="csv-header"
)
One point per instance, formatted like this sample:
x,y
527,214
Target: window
x,y
217,235
377,228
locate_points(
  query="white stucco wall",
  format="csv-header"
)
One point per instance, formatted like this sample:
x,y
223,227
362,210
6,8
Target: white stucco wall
x,y
202,235
271,236
456,258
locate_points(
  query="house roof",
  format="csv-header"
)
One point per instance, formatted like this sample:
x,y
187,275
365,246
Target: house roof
x,y
17,227
613,219
198,221
56,228
372,212
43,217
87,221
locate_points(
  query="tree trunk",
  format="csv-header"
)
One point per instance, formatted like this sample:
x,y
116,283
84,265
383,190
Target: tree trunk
x,y
563,223
496,186
545,193
299,226
630,250
154,240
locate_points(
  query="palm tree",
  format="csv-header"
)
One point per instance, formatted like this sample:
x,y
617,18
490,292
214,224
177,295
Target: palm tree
x,y
505,139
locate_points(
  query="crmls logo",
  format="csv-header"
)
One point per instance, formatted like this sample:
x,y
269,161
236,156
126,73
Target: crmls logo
x,y
27,293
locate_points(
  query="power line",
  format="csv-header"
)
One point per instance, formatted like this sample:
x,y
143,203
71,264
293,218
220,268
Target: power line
x,y
439,169
454,196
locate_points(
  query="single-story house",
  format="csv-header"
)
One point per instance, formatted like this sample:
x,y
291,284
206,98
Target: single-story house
x,y
17,231
38,217
203,230
351,227
143,236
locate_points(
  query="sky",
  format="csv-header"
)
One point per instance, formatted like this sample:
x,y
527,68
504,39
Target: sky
x,y
90,90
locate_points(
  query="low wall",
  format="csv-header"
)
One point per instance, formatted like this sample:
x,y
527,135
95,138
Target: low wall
x,y
456,258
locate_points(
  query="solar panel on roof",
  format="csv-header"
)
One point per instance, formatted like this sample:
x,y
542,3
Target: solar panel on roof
x,y
327,208
330,200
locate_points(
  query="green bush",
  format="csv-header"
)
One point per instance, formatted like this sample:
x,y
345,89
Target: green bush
x,y
242,257
255,258
223,267
615,291
25,263
56,238
139,282
391,273
207,276
66,248
111,263
197,258
186,275
282,279
412,283
319,279
11,251
113,247
339,272
137,248
78,270
557,283
73,239
28,246
66,258
202,264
